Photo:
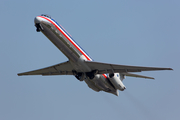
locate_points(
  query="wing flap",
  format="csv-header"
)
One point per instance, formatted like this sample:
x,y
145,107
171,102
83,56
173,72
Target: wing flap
x,y
59,69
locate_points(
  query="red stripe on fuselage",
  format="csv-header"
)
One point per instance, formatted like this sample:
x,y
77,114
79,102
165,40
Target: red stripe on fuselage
x,y
104,76
66,37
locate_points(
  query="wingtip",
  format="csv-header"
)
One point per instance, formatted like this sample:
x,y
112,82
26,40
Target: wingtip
x,y
19,74
151,78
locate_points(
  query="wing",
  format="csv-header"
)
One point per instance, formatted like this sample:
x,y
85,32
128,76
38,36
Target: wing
x,y
113,68
59,69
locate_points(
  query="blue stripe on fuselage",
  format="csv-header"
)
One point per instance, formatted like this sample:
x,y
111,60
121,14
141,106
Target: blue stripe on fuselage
x,y
70,37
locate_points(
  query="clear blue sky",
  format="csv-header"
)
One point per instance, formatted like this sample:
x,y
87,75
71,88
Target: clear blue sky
x,y
145,33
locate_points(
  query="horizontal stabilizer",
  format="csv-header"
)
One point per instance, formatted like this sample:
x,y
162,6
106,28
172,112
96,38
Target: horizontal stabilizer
x,y
135,75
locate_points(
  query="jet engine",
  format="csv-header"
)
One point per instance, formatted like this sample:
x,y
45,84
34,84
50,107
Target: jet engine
x,y
116,79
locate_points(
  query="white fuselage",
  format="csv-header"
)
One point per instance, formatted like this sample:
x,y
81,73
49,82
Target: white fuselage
x,y
76,55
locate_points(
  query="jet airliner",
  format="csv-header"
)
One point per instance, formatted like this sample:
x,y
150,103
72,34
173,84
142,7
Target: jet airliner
x,y
97,75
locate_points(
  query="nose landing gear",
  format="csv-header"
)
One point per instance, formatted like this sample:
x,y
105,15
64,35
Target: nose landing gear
x,y
38,27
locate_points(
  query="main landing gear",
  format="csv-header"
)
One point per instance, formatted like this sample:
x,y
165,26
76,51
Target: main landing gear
x,y
81,76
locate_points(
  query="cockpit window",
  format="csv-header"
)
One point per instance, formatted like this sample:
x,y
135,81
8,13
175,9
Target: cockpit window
x,y
45,15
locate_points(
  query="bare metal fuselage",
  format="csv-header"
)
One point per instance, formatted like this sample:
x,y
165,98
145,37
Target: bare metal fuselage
x,y
59,39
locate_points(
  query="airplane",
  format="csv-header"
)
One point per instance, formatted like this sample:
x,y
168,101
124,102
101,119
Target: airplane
x,y
97,75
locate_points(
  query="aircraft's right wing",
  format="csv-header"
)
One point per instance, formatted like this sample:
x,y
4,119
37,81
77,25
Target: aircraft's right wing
x,y
59,69
104,68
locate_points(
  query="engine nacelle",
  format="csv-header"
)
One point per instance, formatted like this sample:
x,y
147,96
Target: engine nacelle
x,y
116,79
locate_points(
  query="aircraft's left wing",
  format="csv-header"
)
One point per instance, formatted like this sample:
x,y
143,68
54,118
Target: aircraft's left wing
x,y
59,69
103,68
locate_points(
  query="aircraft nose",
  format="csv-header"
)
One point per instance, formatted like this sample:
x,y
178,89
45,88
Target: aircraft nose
x,y
123,88
37,20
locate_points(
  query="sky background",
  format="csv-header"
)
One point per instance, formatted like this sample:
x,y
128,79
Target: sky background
x,y
143,33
